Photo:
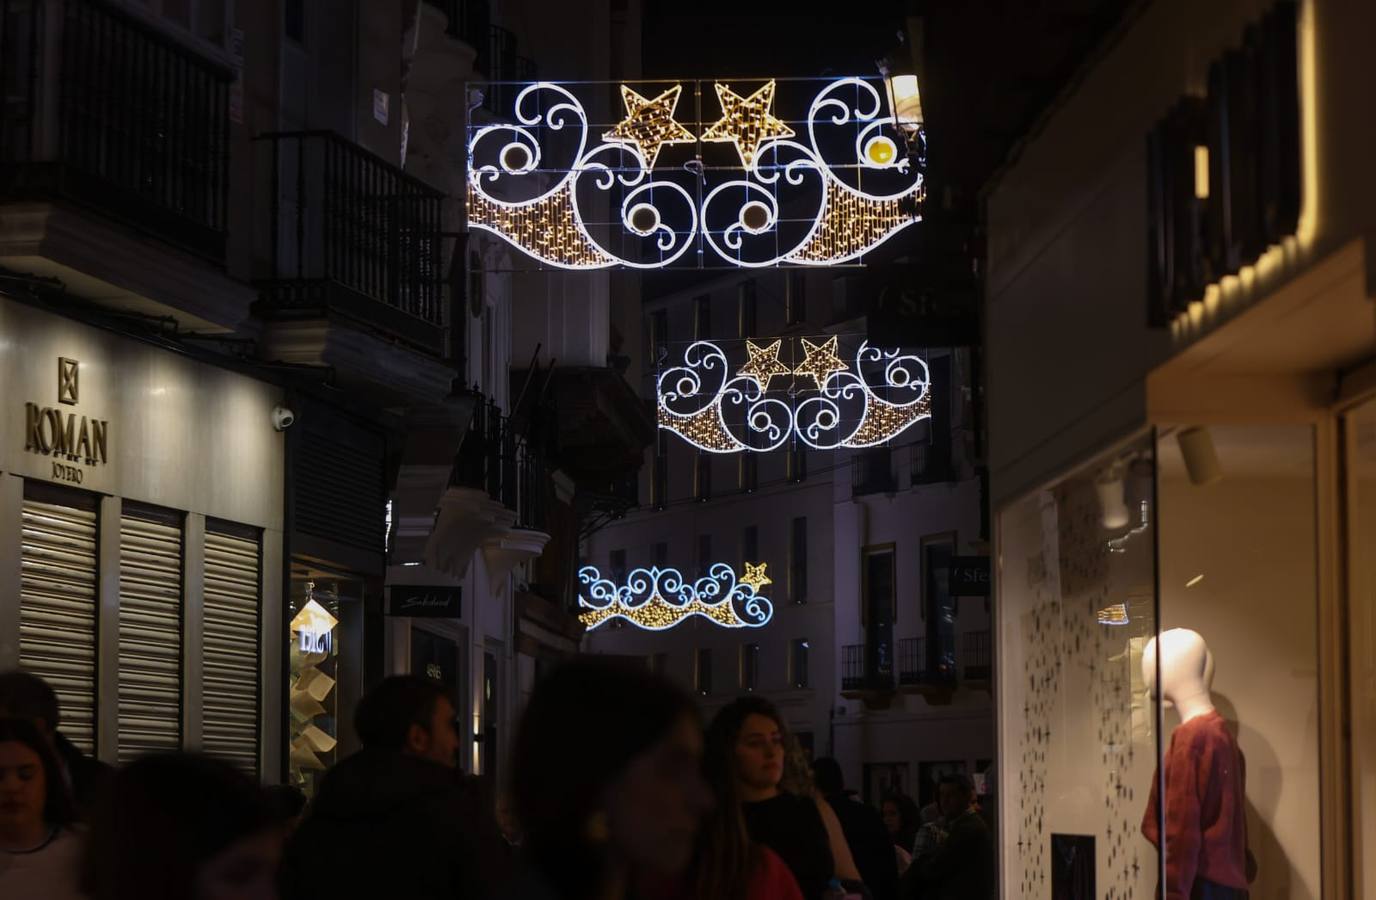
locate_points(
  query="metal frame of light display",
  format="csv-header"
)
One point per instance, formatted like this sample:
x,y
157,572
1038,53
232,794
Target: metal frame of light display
x,y
819,191
657,599
826,404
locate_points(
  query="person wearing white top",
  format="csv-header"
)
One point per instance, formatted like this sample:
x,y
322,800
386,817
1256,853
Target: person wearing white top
x,y
40,849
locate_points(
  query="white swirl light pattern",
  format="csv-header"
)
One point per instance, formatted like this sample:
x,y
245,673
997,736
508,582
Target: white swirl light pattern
x,y
738,219
701,402
657,599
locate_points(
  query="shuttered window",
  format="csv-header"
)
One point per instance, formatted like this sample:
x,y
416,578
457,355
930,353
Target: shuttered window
x,y
150,633
57,608
231,655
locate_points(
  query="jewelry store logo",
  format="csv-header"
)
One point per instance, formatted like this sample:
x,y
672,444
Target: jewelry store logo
x,y
66,436
68,370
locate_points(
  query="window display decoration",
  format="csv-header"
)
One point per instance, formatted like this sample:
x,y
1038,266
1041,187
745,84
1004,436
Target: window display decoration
x,y
826,405
312,644
844,188
657,599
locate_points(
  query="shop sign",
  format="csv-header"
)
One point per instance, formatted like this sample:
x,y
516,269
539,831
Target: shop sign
x,y
70,439
424,602
1223,171
969,576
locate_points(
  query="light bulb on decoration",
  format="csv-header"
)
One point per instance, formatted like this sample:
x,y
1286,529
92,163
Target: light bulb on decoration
x,y
704,382
747,122
657,599
650,124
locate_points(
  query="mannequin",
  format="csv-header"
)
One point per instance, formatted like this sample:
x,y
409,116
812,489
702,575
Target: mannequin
x,y
1205,777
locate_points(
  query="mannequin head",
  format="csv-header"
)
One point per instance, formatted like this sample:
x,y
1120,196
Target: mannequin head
x,y
1186,671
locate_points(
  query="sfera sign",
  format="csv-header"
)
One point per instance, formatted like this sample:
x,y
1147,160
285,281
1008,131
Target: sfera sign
x,y
71,439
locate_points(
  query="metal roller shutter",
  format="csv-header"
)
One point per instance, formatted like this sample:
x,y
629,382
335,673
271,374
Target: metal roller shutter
x,y
57,610
150,637
231,658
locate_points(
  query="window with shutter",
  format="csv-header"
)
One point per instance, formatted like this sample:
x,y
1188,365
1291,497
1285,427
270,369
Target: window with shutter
x,y
230,706
150,633
57,605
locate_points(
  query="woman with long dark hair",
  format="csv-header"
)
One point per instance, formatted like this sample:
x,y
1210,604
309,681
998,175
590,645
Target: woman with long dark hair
x,y
606,782
747,744
40,852
730,865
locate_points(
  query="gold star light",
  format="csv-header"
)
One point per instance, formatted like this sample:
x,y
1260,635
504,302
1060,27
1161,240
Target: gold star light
x,y
819,361
755,576
649,124
746,122
764,364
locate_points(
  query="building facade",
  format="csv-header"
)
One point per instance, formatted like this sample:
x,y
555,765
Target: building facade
x,y
280,449
1179,329
867,655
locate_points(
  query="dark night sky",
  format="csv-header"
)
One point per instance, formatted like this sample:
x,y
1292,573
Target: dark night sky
x,y
745,39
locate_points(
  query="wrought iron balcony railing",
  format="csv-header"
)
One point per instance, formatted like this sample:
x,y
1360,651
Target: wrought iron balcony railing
x,y
353,234
862,670
871,472
102,111
494,459
976,656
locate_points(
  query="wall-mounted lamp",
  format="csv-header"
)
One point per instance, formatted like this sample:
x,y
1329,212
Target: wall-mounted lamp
x,y
900,83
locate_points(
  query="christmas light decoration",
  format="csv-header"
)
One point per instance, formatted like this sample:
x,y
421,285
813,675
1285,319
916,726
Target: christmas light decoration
x,y
764,364
819,361
649,124
658,599
746,121
599,207
704,404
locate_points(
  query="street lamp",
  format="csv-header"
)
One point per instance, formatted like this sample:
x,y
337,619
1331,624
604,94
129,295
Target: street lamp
x,y
900,83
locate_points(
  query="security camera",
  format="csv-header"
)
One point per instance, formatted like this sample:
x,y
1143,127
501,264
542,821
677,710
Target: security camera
x,y
282,418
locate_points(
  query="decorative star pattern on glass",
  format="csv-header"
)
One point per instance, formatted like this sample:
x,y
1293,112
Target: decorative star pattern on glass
x,y
827,404
658,599
660,187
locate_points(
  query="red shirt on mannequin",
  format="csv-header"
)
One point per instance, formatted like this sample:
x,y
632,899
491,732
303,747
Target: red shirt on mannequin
x,y
1206,808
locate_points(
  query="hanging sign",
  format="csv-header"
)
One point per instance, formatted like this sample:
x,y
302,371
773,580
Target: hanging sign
x,y
969,576
424,602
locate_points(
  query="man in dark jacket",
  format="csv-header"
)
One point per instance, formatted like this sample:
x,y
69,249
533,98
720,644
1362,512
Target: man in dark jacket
x,y
24,695
864,829
397,819
961,867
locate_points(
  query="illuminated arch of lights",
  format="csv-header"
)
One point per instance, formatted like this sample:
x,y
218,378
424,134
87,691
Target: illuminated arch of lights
x,y
657,599
654,221
827,404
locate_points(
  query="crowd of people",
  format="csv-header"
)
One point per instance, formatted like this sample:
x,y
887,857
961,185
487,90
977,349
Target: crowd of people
x,y
619,793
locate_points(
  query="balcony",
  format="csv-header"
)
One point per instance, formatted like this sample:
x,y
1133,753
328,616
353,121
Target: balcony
x,y
356,278
865,676
497,500
871,472
468,20
114,163
976,657
354,235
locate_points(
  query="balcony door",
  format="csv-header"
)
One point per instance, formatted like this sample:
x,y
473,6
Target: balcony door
x,y
878,590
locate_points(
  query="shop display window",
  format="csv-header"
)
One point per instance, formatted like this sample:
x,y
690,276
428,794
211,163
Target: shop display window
x,y
325,635
1158,618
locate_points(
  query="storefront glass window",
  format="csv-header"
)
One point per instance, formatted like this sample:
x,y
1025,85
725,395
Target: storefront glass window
x,y
1360,475
1079,740
1238,568
1183,568
326,638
